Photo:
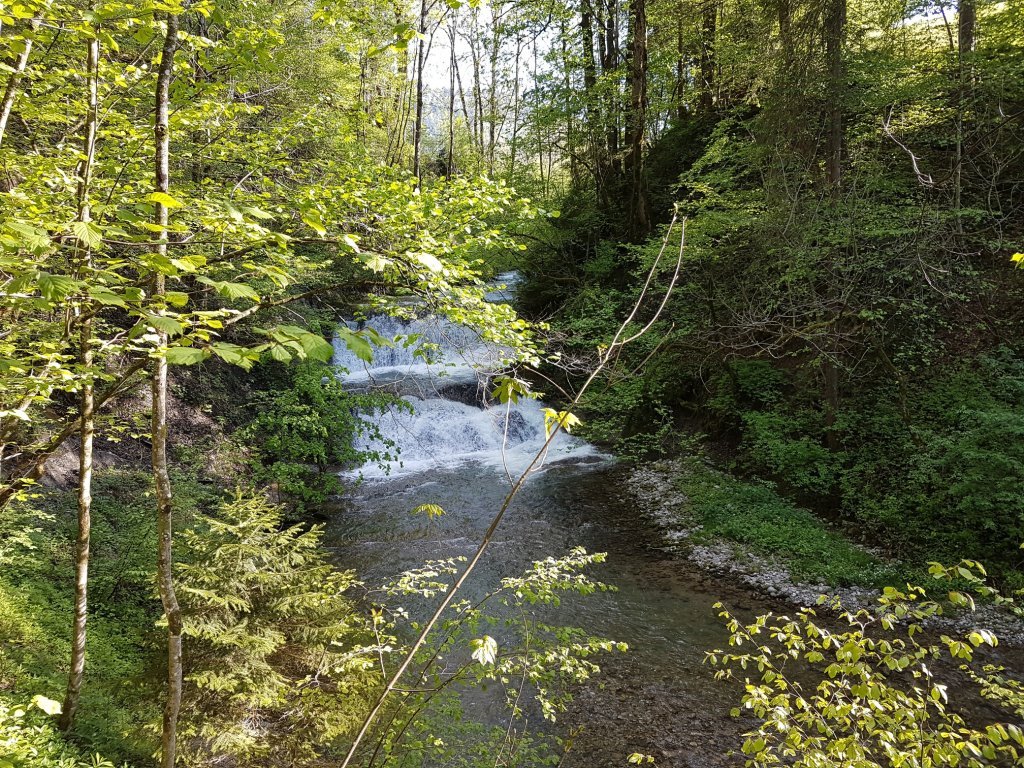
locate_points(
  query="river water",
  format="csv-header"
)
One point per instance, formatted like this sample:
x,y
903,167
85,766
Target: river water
x,y
657,699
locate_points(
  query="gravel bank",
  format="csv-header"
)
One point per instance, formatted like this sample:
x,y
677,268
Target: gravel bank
x,y
654,490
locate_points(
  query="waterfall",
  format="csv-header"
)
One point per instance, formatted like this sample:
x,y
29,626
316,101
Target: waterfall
x,y
444,374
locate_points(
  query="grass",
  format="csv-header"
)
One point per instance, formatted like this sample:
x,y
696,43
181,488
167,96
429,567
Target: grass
x,y
754,516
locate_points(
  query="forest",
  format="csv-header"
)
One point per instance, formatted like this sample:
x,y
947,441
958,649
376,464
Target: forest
x,y
511,383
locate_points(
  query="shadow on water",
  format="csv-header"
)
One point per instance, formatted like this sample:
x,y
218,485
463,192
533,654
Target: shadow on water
x,y
659,698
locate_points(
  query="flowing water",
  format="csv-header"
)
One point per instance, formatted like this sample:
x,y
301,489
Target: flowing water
x,y
658,699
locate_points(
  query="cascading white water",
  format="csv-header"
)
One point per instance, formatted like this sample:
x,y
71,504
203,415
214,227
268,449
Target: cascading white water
x,y
451,422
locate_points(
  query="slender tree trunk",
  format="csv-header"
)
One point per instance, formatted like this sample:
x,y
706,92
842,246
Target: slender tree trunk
x,y
835,33
397,127
966,21
784,9
470,122
516,110
492,89
639,216
680,88
567,106
421,57
450,169
540,130
708,60
478,100
87,406
14,78
589,65
609,67
161,477
588,21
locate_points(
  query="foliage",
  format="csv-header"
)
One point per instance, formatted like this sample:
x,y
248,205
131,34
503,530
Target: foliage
x,y
835,280
28,739
956,469
497,640
273,666
303,433
308,212
755,516
36,600
875,691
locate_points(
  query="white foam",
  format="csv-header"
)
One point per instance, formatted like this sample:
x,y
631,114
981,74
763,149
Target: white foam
x,y
445,432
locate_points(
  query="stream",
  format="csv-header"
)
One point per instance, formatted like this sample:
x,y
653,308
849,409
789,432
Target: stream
x,y
657,699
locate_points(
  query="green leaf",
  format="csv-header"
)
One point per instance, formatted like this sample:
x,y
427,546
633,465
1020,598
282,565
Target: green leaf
x,y
28,237
230,290
280,353
315,224
510,389
243,357
430,261
360,347
176,298
430,510
87,233
164,199
563,419
186,355
49,706
258,213
375,262
165,324
106,297
485,650
56,287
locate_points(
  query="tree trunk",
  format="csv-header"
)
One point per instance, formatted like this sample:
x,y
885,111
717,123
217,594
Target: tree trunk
x,y
161,477
492,90
639,216
609,64
589,65
835,33
417,131
478,99
785,14
567,106
966,21
470,122
450,166
709,31
87,406
680,86
516,111
14,79
398,127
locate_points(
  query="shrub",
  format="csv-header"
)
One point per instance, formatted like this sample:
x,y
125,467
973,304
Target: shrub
x,y
303,431
269,638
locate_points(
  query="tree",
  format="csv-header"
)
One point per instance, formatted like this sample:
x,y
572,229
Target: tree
x,y
87,400
161,476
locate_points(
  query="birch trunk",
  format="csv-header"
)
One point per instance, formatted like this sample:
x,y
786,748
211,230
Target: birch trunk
x,y
161,477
